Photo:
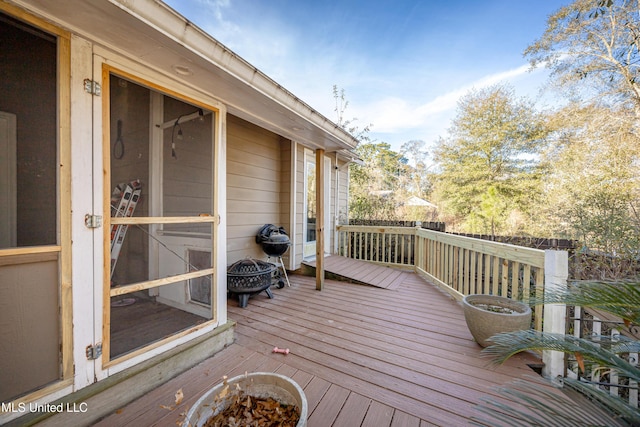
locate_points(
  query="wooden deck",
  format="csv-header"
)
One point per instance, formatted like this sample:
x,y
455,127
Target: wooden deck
x,y
362,272
364,356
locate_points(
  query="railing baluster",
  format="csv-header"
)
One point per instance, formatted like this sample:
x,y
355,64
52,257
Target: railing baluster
x,y
473,258
613,374
526,283
495,276
577,332
445,264
596,332
460,271
482,259
633,384
515,280
367,239
403,244
385,250
395,245
504,285
539,290
467,270
452,266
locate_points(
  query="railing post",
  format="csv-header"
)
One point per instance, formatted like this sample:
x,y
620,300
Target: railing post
x,y
556,272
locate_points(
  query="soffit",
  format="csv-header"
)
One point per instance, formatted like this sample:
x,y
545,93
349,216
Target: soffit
x,y
151,33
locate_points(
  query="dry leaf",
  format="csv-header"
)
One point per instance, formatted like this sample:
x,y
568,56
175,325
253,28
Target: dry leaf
x,y
168,408
255,411
179,397
223,393
580,361
119,411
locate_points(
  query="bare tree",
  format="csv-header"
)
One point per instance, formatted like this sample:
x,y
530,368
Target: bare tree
x,y
592,46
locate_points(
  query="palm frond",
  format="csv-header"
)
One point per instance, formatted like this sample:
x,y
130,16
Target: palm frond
x,y
542,407
536,404
613,403
621,298
506,345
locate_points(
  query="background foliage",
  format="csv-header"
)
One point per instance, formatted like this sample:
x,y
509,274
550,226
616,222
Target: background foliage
x,y
506,168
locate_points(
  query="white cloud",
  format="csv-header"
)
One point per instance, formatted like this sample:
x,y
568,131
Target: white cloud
x,y
396,98
392,114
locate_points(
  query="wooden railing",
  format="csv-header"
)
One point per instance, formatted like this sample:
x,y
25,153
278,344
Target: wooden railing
x,y
461,265
385,245
464,265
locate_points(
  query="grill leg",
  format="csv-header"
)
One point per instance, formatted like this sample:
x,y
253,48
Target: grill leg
x,y
268,291
284,270
242,300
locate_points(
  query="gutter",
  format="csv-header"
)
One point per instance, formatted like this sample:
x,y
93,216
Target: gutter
x,y
164,19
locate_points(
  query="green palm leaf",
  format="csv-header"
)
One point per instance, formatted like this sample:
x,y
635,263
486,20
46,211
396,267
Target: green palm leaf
x,y
506,345
536,404
621,298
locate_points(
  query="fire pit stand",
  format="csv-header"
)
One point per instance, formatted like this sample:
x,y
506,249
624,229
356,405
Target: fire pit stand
x,y
249,276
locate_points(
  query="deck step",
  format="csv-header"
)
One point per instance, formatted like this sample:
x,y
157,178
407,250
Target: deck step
x,y
362,272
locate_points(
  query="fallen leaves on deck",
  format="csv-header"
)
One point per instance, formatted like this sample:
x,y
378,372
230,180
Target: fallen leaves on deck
x,y
179,397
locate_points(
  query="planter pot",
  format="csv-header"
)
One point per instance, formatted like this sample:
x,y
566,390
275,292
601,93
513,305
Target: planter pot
x,y
258,384
488,315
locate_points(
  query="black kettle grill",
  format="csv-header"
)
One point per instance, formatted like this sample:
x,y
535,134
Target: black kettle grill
x,y
274,242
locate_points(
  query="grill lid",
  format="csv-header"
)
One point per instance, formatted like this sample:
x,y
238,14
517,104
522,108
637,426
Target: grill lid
x,y
267,230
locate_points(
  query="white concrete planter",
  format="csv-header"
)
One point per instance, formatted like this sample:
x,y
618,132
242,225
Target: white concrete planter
x,y
484,323
258,384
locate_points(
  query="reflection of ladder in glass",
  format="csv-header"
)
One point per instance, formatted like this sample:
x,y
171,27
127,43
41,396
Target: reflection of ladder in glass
x,y
123,203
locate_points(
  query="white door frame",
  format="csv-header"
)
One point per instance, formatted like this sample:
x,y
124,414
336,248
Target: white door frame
x,y
309,247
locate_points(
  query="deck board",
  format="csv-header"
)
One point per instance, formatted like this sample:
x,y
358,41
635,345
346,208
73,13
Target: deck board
x,y
362,271
353,411
363,355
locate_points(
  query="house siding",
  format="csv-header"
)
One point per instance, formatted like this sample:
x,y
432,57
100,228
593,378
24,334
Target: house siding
x,y
285,191
256,193
343,193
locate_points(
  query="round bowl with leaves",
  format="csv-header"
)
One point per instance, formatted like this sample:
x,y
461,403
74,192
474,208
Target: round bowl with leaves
x,y
264,394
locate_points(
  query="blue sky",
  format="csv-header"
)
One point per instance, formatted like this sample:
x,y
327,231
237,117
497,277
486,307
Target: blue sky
x,y
403,64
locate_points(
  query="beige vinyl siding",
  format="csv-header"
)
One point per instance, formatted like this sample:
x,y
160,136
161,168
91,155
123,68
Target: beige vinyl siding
x,y
285,191
332,208
343,193
257,192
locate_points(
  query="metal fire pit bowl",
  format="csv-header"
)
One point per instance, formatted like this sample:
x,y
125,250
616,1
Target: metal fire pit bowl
x,y
249,276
